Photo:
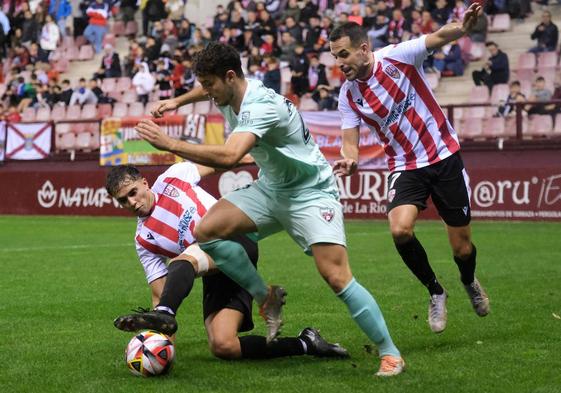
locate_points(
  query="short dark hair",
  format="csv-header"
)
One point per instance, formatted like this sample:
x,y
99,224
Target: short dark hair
x,y
540,78
217,59
353,30
489,43
515,83
119,175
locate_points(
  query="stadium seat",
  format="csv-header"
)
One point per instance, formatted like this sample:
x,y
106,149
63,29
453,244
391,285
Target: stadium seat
x,y
477,112
136,109
58,113
120,109
62,65
43,114
477,51
89,111
526,61
123,83
109,39
68,41
80,40
510,126
493,127
71,53
499,92
118,28
83,141
131,28
129,97
104,110
540,125
73,112
109,84
471,127
547,60
86,52
116,95
28,114
62,128
66,142
479,95
501,22
150,106
93,126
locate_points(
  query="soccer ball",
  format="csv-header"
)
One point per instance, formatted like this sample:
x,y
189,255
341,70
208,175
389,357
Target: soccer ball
x,y
149,354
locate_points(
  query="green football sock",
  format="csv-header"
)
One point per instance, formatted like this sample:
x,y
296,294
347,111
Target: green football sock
x,y
368,316
231,258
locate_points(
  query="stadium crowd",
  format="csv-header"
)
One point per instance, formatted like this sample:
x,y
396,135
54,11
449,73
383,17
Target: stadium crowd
x,y
270,35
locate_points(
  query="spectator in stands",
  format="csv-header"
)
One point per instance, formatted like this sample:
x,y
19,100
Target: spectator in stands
x,y
309,9
27,92
557,94
397,27
94,87
287,46
293,10
316,73
152,49
506,106
299,65
457,14
175,9
35,54
441,13
163,80
479,31
54,95
449,60
153,11
110,64
496,69
426,22
540,94
83,95
13,115
4,32
50,36
294,29
369,17
378,33
143,82
128,10
185,32
272,77
60,10
325,99
43,97
98,13
547,35
29,28
66,93
187,78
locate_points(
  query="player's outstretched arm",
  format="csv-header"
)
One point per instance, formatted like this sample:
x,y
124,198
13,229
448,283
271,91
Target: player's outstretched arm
x,y
453,31
215,156
195,95
349,164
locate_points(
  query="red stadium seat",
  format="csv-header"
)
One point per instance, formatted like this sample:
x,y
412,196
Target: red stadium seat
x,y
109,39
493,127
136,109
501,22
526,61
28,114
477,51
118,28
62,128
62,65
80,40
510,126
89,111
129,97
86,52
120,109
499,92
83,141
149,107
547,60
43,114
72,53
109,84
123,83
540,125
557,128
471,127
104,110
131,28
479,95
73,112
58,113
116,95
67,141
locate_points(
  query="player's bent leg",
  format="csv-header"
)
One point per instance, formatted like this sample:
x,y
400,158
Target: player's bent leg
x,y
465,254
332,263
402,221
222,221
222,331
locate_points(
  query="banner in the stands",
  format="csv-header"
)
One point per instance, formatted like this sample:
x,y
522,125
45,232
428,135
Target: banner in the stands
x,y
30,141
2,139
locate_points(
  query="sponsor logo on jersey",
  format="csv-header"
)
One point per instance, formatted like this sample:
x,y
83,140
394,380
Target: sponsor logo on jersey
x,y
245,119
359,101
327,213
183,227
171,191
399,109
392,71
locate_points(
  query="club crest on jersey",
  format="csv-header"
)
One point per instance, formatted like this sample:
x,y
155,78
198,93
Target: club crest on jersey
x,y
245,119
171,191
359,101
327,213
392,71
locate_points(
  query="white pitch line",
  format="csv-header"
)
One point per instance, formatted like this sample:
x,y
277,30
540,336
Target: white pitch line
x,y
72,247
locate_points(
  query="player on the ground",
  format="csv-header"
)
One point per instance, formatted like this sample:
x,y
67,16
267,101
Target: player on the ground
x,y
387,90
167,213
296,191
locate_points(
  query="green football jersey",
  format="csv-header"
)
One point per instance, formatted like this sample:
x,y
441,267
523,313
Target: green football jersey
x,y
287,155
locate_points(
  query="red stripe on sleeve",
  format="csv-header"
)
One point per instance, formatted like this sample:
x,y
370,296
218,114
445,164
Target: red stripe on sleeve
x,y
154,248
188,190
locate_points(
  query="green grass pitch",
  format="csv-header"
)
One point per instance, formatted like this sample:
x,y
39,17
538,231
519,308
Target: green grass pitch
x,y
63,280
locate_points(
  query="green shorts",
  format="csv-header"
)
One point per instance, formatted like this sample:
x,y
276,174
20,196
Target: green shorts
x,y
309,216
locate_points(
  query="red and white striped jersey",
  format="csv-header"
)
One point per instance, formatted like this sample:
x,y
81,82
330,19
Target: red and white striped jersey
x,y
398,106
179,204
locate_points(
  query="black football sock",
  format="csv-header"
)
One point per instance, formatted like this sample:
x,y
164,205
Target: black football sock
x,y
179,282
255,347
467,266
415,257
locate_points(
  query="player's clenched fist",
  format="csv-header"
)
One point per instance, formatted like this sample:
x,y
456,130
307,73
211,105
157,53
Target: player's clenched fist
x,y
151,132
345,167
164,106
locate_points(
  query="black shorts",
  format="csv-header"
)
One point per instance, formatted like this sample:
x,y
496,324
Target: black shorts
x,y
220,292
446,182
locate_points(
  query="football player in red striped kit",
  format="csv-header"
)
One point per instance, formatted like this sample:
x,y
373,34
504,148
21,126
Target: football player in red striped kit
x,y
167,213
387,90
